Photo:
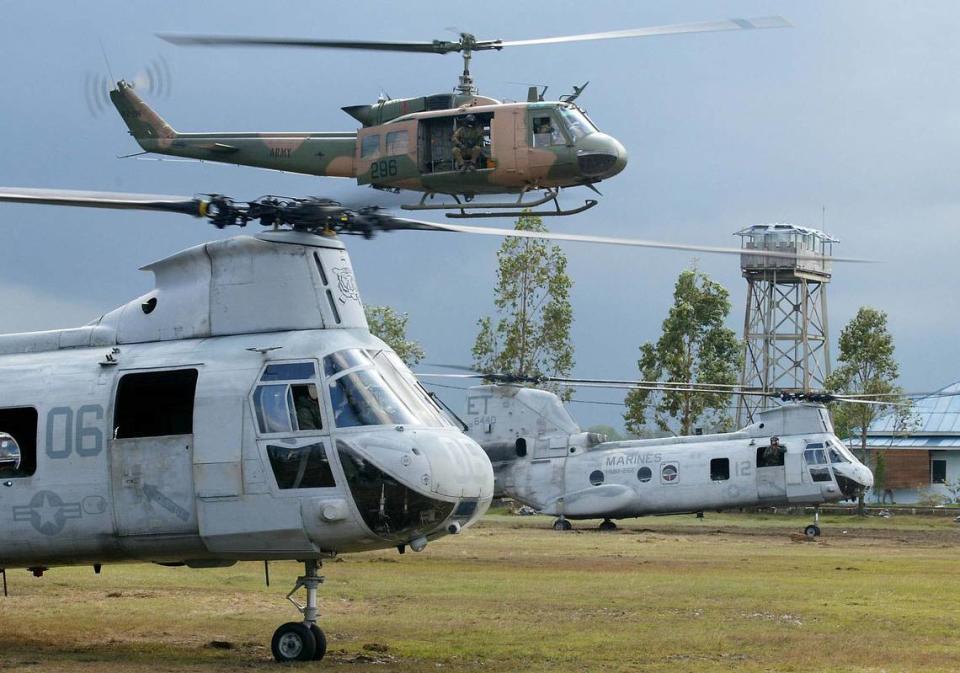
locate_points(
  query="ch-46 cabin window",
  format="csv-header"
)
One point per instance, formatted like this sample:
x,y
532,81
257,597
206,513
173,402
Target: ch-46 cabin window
x,y
18,442
155,404
720,469
770,456
290,402
301,466
398,142
370,146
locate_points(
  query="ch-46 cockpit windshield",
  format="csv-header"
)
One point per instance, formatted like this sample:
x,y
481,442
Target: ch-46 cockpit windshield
x,y
370,388
576,122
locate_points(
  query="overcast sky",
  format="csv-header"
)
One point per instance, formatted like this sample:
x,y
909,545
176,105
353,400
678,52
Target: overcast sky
x,y
855,109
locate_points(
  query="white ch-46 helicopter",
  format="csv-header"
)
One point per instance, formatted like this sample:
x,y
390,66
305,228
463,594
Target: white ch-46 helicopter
x,y
241,410
541,458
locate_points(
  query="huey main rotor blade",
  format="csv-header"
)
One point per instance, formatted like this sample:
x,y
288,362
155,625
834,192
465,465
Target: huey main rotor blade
x,y
90,199
468,42
653,31
639,243
435,47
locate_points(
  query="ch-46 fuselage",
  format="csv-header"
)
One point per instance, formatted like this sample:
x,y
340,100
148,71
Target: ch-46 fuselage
x,y
409,144
542,459
241,410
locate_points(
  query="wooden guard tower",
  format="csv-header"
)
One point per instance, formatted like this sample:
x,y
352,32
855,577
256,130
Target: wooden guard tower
x,y
785,328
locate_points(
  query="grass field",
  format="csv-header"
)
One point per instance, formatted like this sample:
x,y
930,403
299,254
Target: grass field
x,y
726,593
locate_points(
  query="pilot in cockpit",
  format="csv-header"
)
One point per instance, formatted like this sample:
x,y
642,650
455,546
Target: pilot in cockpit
x,y
545,133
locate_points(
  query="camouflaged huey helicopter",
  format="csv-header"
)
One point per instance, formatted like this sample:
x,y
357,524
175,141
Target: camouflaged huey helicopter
x,y
239,411
455,145
788,456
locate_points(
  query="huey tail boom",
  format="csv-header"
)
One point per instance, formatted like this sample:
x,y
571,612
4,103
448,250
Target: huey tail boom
x,y
314,153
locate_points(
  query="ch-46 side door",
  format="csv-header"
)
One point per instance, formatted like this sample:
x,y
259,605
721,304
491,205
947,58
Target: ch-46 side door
x,y
387,155
546,475
800,488
151,452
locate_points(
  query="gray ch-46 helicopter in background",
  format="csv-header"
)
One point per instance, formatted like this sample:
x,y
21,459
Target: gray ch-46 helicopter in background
x,y
240,410
541,458
456,145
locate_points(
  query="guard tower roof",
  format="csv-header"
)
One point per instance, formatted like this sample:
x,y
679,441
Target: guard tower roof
x,y
783,228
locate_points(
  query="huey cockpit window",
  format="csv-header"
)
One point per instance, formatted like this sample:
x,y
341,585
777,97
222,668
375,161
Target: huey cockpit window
x,y
155,404
370,146
290,406
398,142
546,132
301,466
577,123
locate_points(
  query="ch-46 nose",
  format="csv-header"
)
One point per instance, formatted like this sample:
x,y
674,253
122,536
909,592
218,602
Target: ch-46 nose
x,y
853,478
414,484
600,156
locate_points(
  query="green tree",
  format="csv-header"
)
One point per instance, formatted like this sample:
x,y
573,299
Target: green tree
x,y
530,335
868,368
696,347
391,326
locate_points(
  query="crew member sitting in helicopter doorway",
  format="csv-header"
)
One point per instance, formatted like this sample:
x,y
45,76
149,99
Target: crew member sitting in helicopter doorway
x,y
468,144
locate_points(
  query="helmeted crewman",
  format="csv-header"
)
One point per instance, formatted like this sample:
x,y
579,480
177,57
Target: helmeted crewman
x,y
468,143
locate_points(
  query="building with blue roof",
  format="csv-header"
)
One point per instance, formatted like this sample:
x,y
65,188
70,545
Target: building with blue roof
x,y
922,452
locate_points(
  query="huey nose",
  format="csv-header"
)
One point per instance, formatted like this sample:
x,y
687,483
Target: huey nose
x,y
600,156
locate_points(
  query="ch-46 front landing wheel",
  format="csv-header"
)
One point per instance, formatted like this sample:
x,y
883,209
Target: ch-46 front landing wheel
x,y
562,524
321,639
294,641
813,530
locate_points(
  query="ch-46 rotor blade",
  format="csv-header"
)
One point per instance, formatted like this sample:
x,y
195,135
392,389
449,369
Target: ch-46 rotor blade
x,y
435,47
634,242
653,31
69,197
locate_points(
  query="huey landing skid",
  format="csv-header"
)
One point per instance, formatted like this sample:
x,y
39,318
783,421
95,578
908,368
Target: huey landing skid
x,y
520,207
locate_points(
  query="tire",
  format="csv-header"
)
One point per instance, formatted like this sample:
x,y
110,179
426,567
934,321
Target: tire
x,y
562,524
812,530
294,641
607,526
321,640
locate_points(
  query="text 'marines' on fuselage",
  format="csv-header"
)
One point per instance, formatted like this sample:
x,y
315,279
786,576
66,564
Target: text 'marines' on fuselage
x,y
457,144
790,456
